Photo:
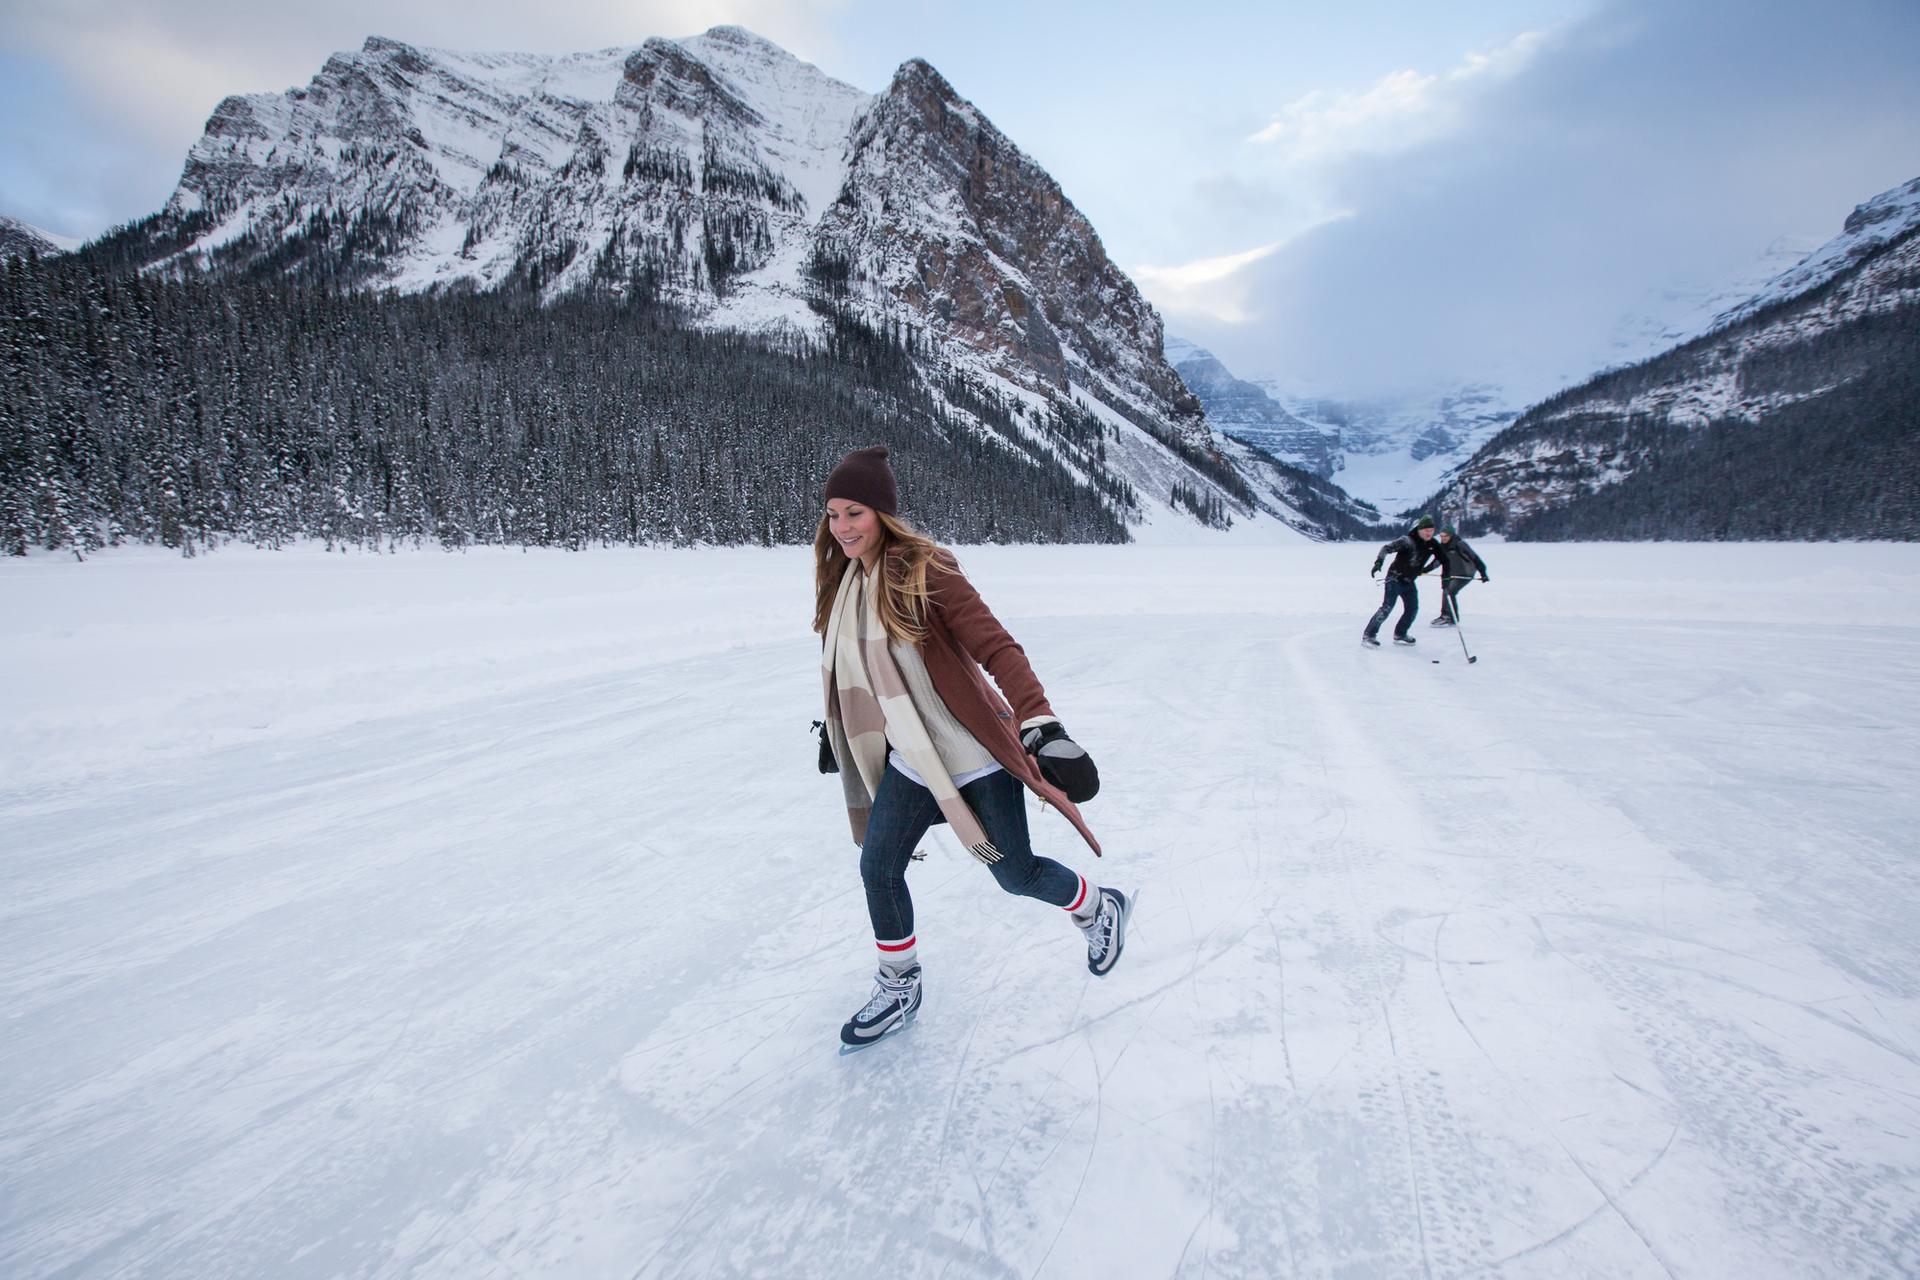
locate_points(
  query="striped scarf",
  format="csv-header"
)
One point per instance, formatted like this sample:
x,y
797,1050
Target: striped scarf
x,y
868,707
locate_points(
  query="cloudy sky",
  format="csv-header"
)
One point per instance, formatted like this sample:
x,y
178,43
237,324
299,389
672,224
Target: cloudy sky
x,y
1358,199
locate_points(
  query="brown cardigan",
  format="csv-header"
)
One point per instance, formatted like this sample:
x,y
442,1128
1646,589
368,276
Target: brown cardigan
x,y
964,636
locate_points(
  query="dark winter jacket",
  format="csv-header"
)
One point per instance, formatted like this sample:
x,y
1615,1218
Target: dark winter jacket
x,y
1459,560
1412,555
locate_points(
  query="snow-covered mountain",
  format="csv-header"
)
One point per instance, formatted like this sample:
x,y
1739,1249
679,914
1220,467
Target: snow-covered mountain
x,y
1247,411
1837,326
1386,452
18,238
1394,449
725,176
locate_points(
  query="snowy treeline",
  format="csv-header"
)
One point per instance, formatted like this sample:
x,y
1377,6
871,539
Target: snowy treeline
x,y
188,413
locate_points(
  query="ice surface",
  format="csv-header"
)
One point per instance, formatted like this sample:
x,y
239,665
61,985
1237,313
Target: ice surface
x,y
474,915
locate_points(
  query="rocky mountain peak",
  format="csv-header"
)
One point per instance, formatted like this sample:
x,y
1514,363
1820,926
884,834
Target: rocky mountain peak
x,y
1901,204
944,213
1869,228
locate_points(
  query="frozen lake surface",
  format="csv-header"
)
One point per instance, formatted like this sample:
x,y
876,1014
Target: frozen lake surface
x,y
483,915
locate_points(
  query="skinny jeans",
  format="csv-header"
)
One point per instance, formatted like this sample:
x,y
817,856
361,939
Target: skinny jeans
x,y
904,811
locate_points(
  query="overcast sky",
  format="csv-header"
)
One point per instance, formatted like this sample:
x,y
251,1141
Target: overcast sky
x,y
1356,198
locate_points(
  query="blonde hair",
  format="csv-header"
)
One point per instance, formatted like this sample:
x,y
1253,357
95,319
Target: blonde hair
x,y
905,554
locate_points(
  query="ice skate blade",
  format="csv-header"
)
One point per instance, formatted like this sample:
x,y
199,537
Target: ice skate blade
x,y
882,1038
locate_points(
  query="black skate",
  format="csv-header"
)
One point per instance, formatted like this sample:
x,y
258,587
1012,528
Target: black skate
x,y
1107,935
1405,640
1370,642
893,1002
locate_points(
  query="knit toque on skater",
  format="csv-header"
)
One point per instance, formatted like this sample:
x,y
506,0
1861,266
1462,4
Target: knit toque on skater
x,y
865,476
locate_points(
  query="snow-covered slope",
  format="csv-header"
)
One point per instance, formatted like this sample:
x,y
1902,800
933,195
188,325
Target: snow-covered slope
x,y
1684,309
1811,331
1871,268
18,238
1882,220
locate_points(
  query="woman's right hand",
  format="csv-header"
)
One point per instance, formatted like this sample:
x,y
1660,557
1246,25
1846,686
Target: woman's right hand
x,y
827,762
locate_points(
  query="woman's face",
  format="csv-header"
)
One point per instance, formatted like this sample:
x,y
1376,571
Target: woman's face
x,y
854,526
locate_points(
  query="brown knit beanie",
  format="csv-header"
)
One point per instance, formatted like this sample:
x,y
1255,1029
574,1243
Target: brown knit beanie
x,y
864,476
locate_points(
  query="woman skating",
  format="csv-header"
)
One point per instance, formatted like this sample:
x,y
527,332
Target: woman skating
x,y
919,737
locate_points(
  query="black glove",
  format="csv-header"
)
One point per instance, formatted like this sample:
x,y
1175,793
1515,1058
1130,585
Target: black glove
x,y
827,763
1483,577
1063,762
1376,570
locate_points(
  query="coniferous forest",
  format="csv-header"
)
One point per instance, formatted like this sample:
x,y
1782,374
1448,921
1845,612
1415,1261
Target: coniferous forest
x,y
192,412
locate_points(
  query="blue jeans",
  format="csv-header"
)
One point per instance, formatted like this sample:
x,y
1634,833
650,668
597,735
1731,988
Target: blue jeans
x,y
1398,589
904,811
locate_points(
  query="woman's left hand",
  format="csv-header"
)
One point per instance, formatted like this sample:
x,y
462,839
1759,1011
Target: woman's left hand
x,y
1063,762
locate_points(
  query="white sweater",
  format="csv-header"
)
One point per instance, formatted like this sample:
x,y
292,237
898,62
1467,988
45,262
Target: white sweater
x,y
960,752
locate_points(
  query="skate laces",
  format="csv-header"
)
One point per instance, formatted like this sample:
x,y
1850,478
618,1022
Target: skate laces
x,y
1099,931
886,993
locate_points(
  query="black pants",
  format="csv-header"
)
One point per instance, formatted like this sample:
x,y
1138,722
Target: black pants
x,y
1451,587
1401,589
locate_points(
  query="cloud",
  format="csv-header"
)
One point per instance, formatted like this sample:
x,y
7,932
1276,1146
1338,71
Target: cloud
x,y
1207,288
1295,170
1403,110
1564,185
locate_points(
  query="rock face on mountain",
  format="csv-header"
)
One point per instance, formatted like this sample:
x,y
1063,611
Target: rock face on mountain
x,y
680,164
1828,348
723,176
941,212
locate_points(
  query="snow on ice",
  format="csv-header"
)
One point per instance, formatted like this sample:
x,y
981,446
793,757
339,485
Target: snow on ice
x,y
472,915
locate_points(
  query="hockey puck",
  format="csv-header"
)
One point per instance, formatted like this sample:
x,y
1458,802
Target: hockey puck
x,y
1436,662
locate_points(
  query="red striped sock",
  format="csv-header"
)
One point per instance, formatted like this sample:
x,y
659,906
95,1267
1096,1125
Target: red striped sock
x,y
1085,907
898,955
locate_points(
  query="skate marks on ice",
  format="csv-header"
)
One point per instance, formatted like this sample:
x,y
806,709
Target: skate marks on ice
x,y
302,1012
1436,974
1782,1131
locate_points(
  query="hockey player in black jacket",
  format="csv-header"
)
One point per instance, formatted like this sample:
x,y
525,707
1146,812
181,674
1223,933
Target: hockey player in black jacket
x,y
1413,555
1458,562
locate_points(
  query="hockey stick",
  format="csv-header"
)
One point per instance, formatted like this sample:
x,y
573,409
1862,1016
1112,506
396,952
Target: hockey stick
x,y
1453,599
